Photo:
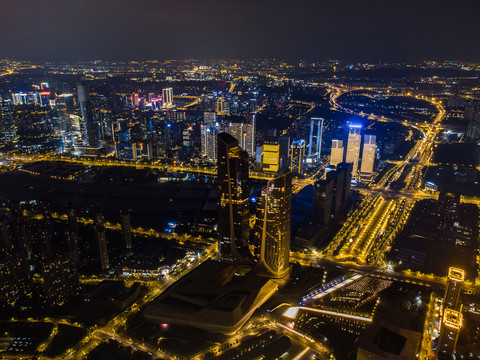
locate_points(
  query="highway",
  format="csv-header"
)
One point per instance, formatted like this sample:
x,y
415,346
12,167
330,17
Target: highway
x,y
367,234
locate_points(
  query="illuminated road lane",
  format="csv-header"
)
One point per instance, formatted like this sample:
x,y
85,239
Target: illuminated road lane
x,y
322,293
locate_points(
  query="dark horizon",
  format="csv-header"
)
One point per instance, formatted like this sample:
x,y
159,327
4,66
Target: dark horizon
x,y
80,30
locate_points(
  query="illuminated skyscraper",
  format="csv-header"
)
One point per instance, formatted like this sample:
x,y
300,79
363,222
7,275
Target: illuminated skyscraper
x,y
222,106
244,132
298,157
209,117
249,142
126,228
315,140
86,110
167,97
368,154
472,115
336,156
101,241
19,99
64,106
208,133
235,128
353,146
7,125
270,156
208,136
450,328
233,194
274,218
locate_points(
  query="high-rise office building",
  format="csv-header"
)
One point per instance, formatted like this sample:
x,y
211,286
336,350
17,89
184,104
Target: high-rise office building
x,y
101,241
8,131
244,132
221,106
274,219
86,111
71,127
233,194
19,99
235,128
209,130
336,156
368,154
167,97
209,117
452,322
472,115
126,228
353,146
249,143
297,165
330,196
270,156
209,133
323,194
344,175
284,143
315,139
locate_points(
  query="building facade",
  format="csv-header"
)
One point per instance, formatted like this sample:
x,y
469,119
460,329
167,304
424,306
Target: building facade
x,y
232,203
297,165
368,154
336,155
315,139
274,217
353,146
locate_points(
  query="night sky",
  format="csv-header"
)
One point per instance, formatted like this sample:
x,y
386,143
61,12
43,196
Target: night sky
x,y
71,30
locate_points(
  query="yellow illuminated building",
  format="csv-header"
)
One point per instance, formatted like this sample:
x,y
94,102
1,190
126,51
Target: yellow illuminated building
x,y
270,157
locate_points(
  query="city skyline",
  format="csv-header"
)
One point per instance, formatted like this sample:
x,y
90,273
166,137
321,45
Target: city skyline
x,y
200,180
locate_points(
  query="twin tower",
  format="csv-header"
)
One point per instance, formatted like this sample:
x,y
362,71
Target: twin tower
x,y
271,249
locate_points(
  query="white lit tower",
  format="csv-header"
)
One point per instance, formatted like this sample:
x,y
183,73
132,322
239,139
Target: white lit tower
x,y
368,154
297,160
315,139
336,156
208,132
167,97
7,125
353,146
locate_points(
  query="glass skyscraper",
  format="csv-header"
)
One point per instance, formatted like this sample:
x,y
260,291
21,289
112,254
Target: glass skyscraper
x,y
274,219
233,195
353,146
